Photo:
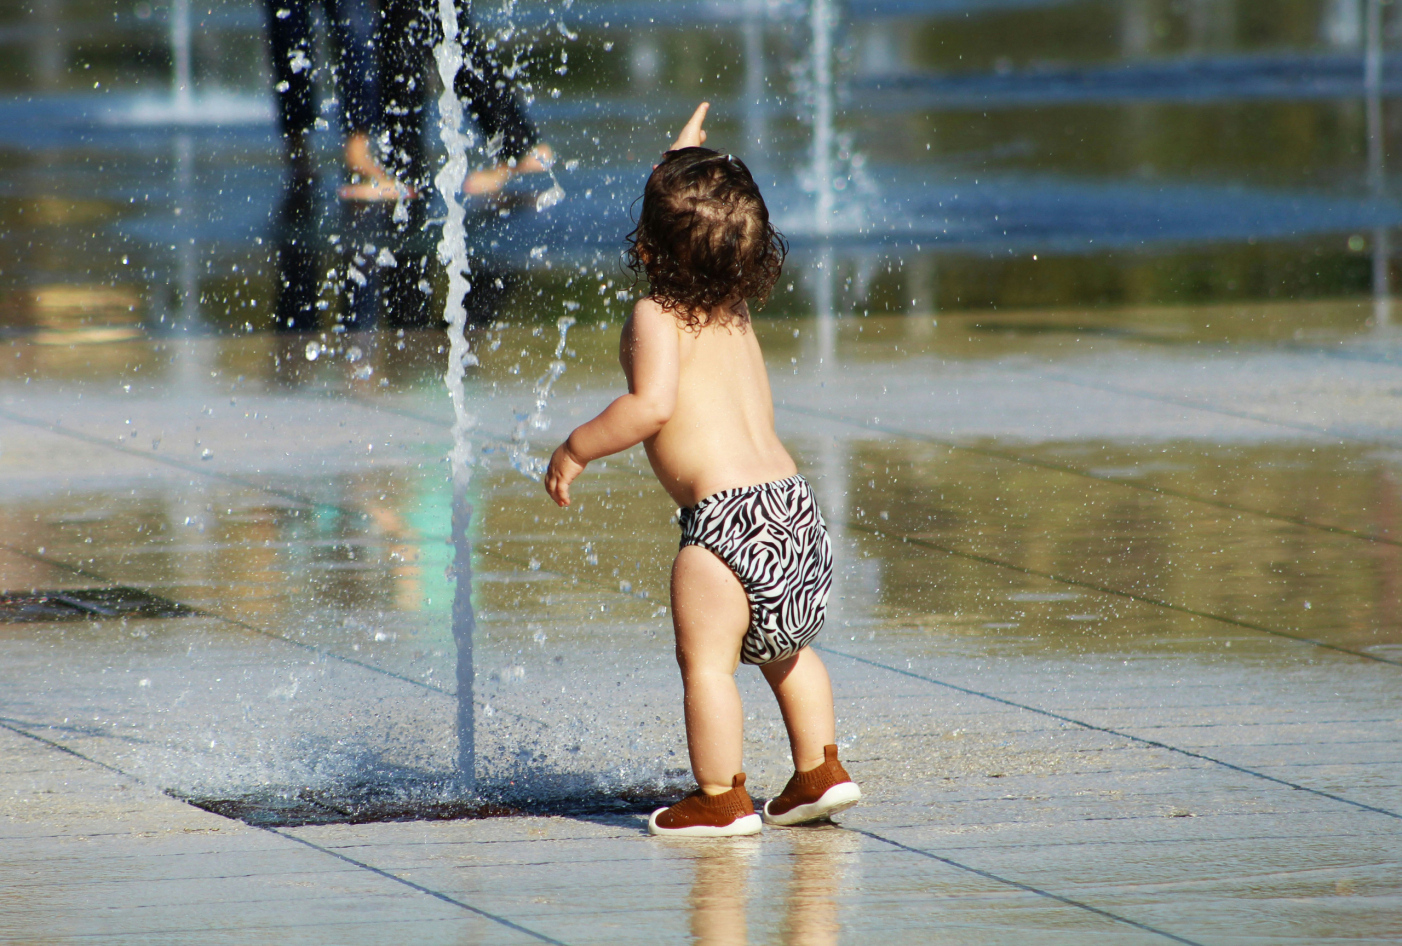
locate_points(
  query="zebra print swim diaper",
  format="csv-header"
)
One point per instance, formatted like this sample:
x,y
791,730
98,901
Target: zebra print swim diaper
x,y
773,537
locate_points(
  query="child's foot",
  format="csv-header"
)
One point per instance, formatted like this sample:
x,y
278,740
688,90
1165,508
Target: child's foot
x,y
699,815
490,180
813,795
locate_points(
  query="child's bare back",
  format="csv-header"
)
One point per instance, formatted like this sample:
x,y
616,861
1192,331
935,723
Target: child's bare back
x,y
751,579
721,430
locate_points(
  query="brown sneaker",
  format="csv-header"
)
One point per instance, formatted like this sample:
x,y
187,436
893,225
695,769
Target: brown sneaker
x,y
699,815
813,795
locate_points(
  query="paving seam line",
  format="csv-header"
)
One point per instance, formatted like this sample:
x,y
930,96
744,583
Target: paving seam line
x,y
165,461
1093,586
541,937
1344,354
363,404
229,478
1085,474
1153,743
243,626
875,532
1022,706
1021,886
1117,592
1211,408
1090,726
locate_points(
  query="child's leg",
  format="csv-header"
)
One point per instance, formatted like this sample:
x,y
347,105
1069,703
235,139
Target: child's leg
x,y
800,684
710,614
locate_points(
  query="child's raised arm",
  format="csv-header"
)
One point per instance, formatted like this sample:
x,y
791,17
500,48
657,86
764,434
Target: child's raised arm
x,y
650,351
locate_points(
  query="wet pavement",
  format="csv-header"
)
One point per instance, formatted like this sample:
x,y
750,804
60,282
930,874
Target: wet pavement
x,y
1093,366
1115,643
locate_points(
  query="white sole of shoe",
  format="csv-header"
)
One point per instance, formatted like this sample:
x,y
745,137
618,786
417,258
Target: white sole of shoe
x,y
740,827
838,798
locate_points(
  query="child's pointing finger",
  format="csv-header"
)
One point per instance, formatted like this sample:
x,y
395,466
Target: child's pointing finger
x,y
692,134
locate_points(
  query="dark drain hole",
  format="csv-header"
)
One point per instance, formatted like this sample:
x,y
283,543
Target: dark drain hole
x,y
292,809
87,604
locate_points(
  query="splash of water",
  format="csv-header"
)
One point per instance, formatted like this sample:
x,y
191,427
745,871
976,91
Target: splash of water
x,y
549,198
536,420
452,252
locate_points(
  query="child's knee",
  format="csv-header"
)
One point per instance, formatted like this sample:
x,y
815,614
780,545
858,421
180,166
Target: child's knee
x,y
698,658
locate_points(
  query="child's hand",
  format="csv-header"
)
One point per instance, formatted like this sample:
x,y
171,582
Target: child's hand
x,y
693,135
560,474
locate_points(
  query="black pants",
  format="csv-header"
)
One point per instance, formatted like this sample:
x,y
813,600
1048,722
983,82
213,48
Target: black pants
x,y
352,29
409,31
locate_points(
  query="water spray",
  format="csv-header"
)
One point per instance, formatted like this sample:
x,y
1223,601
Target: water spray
x,y
519,451
452,252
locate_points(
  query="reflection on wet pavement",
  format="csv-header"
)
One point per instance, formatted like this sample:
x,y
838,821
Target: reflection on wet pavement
x,y
1039,620
805,904
1098,388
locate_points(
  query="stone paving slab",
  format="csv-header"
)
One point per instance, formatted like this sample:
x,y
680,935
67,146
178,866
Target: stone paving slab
x,y
604,881
91,855
711,881
1044,762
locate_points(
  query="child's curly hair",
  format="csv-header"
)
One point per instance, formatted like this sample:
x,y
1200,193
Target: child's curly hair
x,y
704,239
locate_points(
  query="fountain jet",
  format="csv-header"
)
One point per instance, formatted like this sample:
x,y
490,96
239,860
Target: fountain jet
x,y
452,252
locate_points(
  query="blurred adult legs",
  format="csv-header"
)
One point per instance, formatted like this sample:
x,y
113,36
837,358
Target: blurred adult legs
x,y
298,258
410,30
351,29
352,35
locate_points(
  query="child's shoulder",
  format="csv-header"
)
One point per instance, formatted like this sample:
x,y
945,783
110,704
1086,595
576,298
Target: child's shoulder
x,y
650,309
649,317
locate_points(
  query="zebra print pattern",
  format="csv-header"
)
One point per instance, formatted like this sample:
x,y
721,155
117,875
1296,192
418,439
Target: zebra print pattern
x,y
773,537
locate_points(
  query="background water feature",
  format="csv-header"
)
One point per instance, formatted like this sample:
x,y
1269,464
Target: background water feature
x,y
1073,260
1144,152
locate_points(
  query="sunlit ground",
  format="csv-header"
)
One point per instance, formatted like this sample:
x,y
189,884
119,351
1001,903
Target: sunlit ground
x,y
1102,595
1096,381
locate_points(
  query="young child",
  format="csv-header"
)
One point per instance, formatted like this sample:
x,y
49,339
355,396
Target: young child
x,y
751,580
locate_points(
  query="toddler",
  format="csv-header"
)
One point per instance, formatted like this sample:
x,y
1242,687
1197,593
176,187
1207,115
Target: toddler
x,y
751,579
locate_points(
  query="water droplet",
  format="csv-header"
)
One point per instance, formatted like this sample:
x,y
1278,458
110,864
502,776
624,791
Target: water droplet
x,y
547,199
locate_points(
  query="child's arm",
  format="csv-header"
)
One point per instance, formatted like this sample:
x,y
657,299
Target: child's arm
x,y
650,340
